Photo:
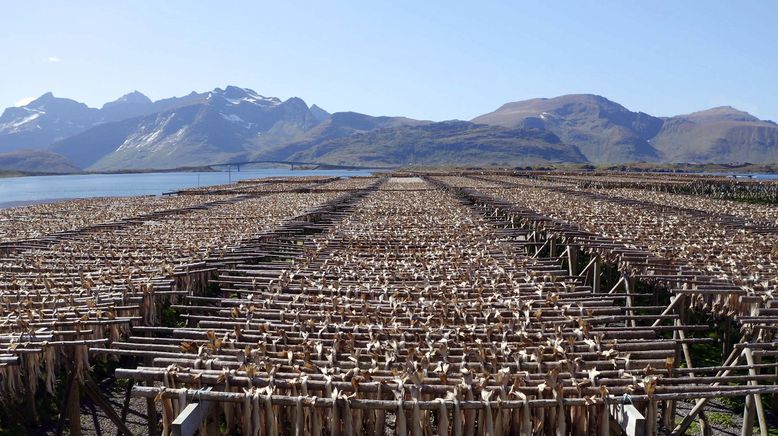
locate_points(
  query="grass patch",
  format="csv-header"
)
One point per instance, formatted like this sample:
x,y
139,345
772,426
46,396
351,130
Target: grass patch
x,y
170,317
734,403
770,431
694,427
721,419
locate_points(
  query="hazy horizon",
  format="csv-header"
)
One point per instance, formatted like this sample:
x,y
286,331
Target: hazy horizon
x,y
431,61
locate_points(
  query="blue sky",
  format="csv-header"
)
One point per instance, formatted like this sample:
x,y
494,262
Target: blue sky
x,y
425,59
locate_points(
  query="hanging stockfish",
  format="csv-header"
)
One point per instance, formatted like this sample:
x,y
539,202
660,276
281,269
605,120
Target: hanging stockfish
x,y
458,425
248,395
81,361
50,366
442,421
470,415
522,417
271,421
228,406
300,423
13,380
149,307
649,386
32,368
380,414
399,395
436,285
167,412
485,417
604,416
347,418
503,415
115,333
256,422
416,422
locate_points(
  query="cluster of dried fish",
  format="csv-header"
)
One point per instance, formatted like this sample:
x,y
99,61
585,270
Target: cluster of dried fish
x,y
346,184
700,241
72,290
41,220
260,186
414,312
753,214
481,183
720,187
405,184
438,303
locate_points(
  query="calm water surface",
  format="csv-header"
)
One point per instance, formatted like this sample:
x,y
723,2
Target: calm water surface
x,y
16,191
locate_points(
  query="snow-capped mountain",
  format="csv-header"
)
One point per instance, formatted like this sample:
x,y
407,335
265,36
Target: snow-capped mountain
x,y
43,121
238,124
49,119
211,127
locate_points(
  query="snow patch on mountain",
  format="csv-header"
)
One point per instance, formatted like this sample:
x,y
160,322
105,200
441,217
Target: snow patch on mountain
x,y
236,96
14,125
148,134
237,120
233,118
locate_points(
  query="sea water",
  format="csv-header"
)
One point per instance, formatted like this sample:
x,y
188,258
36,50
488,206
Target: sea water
x,y
15,191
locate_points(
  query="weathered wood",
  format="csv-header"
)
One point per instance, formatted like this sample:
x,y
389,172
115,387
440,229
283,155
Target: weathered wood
x,y
74,406
679,429
440,281
126,403
64,407
757,399
151,414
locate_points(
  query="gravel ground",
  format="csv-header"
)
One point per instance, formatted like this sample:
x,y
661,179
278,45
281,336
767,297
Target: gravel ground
x,y
723,419
94,422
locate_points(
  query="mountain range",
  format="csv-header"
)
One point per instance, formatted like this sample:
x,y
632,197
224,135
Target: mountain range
x,y
607,132
233,124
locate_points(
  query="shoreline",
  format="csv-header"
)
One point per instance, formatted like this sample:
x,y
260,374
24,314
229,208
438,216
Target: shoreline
x,y
20,203
25,191
7,173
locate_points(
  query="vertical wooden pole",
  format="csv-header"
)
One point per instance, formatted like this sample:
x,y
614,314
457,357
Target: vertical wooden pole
x,y
572,259
629,287
748,417
757,397
64,409
74,407
126,404
151,407
775,395
668,409
687,355
596,274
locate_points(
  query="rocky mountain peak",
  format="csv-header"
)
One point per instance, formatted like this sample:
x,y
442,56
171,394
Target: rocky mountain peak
x,y
45,98
721,113
134,97
319,113
235,95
